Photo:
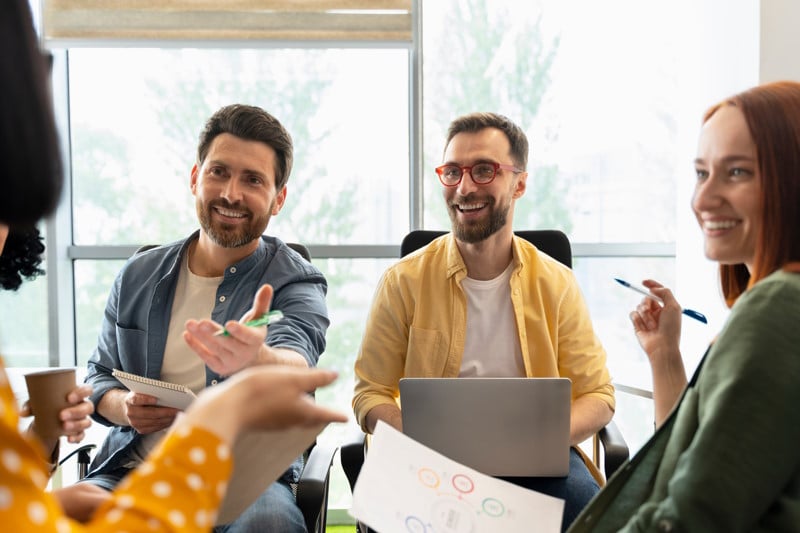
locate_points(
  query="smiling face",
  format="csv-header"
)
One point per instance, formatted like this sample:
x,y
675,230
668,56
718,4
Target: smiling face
x,y
479,211
235,191
727,196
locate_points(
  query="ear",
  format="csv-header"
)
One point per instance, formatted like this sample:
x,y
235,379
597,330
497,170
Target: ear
x,y
521,185
193,179
279,201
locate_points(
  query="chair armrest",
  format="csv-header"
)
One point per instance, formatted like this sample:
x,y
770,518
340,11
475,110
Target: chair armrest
x,y
315,473
351,454
615,449
84,458
312,488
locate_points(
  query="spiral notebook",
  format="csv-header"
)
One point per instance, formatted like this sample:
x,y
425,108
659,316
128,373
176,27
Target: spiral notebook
x,y
168,394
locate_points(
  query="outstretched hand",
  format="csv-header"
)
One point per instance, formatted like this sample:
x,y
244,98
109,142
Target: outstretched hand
x,y
243,347
264,397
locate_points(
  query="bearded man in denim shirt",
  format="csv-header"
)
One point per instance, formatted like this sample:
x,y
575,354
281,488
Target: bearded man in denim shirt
x,y
168,302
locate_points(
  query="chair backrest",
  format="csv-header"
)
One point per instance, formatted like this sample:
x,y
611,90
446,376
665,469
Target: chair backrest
x,y
553,242
300,249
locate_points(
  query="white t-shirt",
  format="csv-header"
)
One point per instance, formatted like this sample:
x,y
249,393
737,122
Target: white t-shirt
x,y
194,299
491,346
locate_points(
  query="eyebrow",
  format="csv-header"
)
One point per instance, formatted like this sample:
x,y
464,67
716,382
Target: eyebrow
x,y
220,163
475,162
728,159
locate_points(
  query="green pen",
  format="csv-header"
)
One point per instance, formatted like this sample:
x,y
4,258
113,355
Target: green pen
x,y
263,320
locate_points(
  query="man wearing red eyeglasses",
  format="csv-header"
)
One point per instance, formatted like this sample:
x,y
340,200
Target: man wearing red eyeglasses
x,y
436,311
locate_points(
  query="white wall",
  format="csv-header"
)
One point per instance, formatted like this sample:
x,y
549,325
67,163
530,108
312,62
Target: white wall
x,y
779,40
725,35
755,41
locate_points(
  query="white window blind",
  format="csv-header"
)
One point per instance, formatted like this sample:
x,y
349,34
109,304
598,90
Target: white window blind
x,y
220,20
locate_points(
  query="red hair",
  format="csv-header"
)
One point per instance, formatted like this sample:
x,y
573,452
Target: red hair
x,y
772,113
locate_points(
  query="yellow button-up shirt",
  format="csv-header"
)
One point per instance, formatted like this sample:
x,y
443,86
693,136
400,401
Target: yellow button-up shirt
x,y
416,326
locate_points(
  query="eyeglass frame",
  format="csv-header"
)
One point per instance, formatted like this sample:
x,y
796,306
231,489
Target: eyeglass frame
x,y
497,166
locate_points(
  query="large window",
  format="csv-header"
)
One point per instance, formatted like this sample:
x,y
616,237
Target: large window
x,y
135,118
610,95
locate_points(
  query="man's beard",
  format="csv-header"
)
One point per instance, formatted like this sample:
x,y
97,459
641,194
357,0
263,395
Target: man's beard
x,y
231,235
479,231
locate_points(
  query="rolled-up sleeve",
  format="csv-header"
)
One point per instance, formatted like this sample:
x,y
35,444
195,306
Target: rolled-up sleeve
x,y
381,357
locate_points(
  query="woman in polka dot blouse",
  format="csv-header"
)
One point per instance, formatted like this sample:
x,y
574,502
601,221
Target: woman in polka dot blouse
x,y
181,485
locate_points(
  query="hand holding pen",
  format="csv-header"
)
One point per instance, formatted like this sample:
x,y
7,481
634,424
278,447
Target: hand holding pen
x,y
264,320
657,324
244,345
688,312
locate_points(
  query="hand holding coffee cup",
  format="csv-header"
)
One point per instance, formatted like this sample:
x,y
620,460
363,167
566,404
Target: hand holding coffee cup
x,y
47,397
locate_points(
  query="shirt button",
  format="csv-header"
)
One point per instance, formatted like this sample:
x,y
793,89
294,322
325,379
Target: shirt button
x,y
222,298
665,525
214,382
232,270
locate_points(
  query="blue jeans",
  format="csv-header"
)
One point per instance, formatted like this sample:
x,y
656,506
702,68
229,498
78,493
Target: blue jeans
x,y
576,489
275,510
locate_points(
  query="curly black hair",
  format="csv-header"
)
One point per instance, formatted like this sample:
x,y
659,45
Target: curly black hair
x,y
21,257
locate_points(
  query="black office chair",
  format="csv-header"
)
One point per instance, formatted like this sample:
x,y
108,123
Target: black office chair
x,y
555,244
311,491
550,241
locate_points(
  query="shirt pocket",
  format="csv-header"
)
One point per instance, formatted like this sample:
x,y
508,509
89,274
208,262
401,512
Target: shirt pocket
x,y
427,353
132,349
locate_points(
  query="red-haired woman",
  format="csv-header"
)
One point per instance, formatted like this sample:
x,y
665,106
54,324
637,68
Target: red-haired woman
x,y
726,456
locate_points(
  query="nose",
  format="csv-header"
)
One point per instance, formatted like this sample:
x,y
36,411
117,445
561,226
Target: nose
x,y
232,192
467,184
706,194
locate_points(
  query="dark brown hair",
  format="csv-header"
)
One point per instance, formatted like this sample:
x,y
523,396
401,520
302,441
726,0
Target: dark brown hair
x,y
475,122
253,124
21,257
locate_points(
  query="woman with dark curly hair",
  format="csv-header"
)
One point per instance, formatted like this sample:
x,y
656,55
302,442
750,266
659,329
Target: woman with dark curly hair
x,y
182,483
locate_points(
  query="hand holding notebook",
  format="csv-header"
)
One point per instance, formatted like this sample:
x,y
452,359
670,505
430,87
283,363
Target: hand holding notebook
x,y
168,394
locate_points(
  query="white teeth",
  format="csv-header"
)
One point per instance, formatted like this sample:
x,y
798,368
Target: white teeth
x,y
228,213
468,207
719,224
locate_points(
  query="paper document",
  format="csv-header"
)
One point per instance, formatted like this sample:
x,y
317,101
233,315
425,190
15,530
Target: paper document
x,y
405,487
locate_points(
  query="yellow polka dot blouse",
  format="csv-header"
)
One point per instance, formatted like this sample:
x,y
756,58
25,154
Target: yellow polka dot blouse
x,y
178,488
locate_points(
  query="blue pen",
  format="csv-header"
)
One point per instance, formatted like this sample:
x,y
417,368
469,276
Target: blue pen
x,y
263,320
688,312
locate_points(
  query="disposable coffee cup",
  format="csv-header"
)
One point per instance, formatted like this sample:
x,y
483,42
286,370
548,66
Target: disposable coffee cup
x,y
47,396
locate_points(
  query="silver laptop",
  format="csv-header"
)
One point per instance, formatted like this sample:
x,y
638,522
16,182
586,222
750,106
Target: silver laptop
x,y
497,426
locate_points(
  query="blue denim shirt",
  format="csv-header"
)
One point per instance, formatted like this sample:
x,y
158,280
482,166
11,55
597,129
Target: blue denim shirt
x,y
137,314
